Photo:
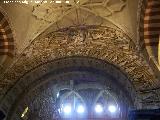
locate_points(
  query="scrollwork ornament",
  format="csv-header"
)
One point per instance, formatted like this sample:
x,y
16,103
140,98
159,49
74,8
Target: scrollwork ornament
x,y
104,43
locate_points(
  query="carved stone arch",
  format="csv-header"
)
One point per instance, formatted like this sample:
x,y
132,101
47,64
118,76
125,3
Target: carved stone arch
x,y
7,50
148,32
54,72
104,43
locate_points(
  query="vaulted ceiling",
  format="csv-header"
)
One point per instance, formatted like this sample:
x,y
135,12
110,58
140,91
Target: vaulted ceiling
x,y
39,32
29,20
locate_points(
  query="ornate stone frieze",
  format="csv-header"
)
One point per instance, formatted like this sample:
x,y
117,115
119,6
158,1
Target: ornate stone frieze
x,y
103,43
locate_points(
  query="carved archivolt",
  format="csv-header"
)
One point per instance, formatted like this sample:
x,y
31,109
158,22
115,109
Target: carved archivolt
x,y
150,52
7,44
56,75
103,43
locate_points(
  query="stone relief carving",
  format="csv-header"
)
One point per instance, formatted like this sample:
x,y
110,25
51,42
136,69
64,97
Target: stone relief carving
x,y
99,42
53,12
29,96
77,12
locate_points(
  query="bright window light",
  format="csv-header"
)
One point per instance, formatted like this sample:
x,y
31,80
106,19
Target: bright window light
x,y
57,94
67,1
24,112
112,108
67,109
80,109
58,1
98,108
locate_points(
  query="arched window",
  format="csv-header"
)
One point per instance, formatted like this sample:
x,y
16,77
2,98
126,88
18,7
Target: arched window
x,y
87,103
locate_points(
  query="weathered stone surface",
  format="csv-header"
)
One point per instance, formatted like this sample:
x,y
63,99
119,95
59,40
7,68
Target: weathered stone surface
x,y
104,43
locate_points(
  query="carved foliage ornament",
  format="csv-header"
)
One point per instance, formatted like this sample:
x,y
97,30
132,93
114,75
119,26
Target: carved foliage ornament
x,y
99,42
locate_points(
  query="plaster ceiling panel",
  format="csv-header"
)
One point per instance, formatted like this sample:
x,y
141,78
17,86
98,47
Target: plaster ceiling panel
x,y
78,18
121,13
57,13
112,4
101,11
32,19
